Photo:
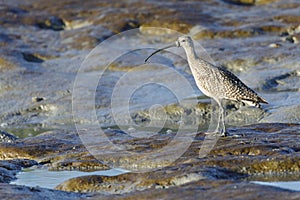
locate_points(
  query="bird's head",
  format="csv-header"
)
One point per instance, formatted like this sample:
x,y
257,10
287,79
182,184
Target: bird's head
x,y
184,41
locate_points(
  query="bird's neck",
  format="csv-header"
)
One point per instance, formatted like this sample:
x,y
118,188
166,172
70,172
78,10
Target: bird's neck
x,y
191,54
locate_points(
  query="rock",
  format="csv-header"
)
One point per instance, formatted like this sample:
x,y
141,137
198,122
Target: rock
x,y
279,82
209,190
130,24
54,23
176,25
274,45
241,2
172,113
8,169
269,29
165,178
289,19
6,175
60,151
82,163
8,191
249,2
6,65
294,38
80,39
236,33
6,137
239,65
257,149
32,57
38,99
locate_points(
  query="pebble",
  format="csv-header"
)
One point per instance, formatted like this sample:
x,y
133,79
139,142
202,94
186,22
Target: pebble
x,y
275,45
54,23
31,57
169,131
37,99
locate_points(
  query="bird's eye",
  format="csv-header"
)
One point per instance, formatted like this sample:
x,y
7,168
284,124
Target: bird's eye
x,y
183,41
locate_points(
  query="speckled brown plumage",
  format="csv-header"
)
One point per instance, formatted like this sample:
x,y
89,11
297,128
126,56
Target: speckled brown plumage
x,y
235,89
216,82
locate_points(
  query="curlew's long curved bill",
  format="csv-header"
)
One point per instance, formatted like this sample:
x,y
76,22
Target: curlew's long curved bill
x,y
173,45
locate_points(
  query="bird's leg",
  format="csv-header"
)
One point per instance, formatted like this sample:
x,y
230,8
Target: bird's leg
x,y
219,116
218,122
221,122
222,113
213,127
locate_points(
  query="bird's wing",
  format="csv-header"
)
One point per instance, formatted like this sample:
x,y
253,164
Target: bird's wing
x,y
235,89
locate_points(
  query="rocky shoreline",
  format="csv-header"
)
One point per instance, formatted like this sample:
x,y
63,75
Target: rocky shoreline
x,y
42,46
266,150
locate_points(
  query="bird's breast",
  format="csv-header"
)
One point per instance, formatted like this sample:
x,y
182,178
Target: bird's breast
x,y
209,83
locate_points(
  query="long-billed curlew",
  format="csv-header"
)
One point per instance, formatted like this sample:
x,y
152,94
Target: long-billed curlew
x,y
215,82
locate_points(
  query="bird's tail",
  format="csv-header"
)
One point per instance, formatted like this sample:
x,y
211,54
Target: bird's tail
x,y
256,103
262,100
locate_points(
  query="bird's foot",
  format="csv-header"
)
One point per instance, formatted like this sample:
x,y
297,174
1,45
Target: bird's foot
x,y
212,133
218,133
224,134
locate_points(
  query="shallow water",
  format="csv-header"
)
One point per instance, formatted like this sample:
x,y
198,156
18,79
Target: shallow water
x,y
290,185
44,178
272,72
